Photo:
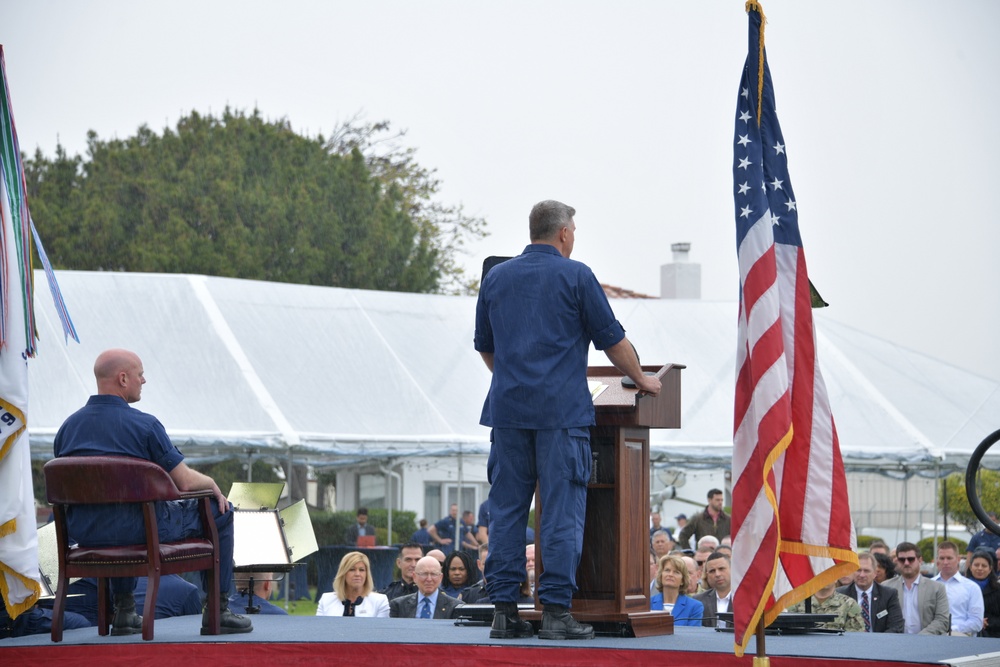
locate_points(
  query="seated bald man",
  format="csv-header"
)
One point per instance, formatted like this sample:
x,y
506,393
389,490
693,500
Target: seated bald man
x,y
108,426
429,601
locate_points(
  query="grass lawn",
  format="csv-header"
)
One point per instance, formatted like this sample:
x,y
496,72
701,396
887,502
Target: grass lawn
x,y
299,607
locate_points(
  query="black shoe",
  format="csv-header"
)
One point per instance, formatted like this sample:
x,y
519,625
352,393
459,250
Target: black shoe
x,y
507,624
229,623
557,623
125,621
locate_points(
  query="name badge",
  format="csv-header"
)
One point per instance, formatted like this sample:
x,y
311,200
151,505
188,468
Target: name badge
x,y
882,614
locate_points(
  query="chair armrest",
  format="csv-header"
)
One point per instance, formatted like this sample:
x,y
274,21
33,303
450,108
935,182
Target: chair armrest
x,y
207,493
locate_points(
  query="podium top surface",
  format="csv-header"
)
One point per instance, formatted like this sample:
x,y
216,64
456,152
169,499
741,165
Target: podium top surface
x,y
622,406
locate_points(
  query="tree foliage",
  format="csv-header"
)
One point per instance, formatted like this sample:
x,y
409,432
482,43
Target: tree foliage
x,y
958,508
243,197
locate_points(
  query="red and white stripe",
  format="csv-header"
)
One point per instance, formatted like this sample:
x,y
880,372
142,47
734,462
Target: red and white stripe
x,y
792,532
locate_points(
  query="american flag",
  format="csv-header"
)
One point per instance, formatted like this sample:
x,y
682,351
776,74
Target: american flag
x,y
792,529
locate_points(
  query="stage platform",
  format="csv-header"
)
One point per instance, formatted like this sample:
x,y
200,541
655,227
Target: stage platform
x,y
396,642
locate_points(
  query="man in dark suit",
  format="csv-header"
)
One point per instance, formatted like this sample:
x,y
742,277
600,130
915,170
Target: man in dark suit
x,y
716,599
879,604
428,601
358,528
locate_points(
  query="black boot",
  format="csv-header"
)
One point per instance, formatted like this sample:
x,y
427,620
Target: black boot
x,y
125,621
507,624
229,623
557,623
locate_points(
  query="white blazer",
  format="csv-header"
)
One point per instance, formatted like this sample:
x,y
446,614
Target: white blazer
x,y
374,605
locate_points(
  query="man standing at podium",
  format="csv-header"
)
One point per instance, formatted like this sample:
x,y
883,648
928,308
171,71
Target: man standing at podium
x,y
535,320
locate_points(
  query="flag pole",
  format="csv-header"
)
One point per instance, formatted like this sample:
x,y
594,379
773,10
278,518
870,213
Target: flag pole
x,y
761,659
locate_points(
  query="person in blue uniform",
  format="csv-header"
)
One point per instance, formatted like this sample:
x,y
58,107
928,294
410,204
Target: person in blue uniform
x,y
108,426
264,585
536,317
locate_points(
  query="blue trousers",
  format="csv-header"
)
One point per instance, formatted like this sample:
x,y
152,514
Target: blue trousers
x,y
559,462
180,519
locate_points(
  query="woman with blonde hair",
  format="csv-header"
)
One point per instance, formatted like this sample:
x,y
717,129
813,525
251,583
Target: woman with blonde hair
x,y
353,593
672,580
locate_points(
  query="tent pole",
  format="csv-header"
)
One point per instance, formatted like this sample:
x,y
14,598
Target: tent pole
x,y
937,478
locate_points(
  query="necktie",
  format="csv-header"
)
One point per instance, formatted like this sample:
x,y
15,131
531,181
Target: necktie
x,y
425,608
866,612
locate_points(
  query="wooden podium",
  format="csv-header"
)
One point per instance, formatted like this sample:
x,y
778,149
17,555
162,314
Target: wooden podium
x,y
613,577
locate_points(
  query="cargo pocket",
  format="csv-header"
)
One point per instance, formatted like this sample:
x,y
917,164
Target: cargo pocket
x,y
579,440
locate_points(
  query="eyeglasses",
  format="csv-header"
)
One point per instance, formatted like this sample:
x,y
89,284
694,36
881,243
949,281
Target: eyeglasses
x,y
906,559
427,575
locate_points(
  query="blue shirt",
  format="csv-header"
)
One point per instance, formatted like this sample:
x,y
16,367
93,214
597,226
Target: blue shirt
x,y
108,426
446,531
538,314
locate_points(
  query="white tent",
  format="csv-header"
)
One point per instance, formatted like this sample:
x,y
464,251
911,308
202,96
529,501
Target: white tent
x,y
342,374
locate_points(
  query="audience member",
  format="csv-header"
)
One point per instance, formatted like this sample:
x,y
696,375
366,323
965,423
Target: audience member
x,y
459,573
529,565
713,521
175,597
671,585
964,597
884,568
924,602
878,547
716,600
37,621
358,528
428,601
681,520
483,522
264,584
420,535
443,532
700,556
476,593
353,593
409,554
708,542
725,549
108,426
653,566
984,539
694,574
469,541
662,544
438,554
982,571
880,608
828,601
655,525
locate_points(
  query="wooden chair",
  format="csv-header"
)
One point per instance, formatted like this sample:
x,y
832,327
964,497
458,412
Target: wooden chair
x,y
79,480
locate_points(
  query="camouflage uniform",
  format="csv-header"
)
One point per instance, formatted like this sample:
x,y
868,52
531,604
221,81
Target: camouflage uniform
x,y
846,608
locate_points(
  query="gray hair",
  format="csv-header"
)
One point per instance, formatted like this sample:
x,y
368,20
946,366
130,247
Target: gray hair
x,y
547,218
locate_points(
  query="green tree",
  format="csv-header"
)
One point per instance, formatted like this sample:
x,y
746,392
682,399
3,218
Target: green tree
x,y
443,230
959,509
243,197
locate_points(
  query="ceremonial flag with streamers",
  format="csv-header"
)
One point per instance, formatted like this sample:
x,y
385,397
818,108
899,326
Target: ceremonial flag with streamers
x,y
18,537
792,529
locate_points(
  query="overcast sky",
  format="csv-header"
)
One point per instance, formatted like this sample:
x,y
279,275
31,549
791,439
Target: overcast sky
x,y
624,110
